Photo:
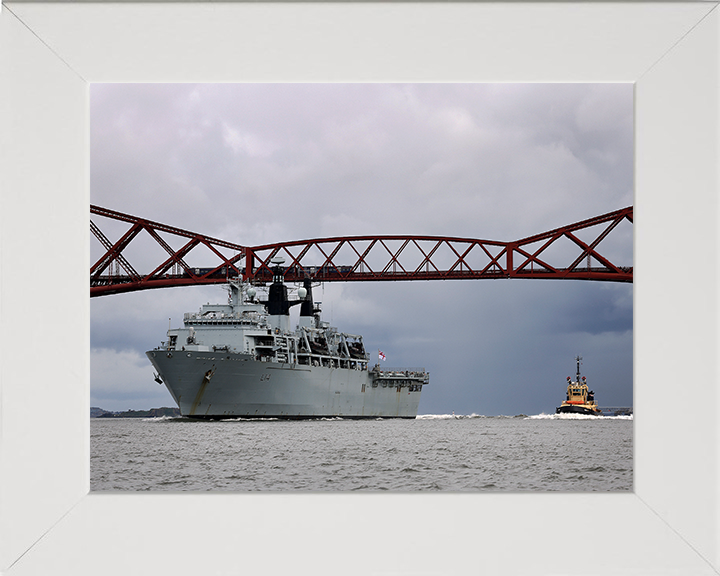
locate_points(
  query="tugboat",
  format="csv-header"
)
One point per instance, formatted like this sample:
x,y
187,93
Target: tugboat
x,y
579,399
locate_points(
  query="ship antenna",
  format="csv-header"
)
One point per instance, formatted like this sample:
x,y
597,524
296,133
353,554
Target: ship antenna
x,y
578,358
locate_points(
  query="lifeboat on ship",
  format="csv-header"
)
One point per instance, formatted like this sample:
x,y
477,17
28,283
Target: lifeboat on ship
x,y
579,399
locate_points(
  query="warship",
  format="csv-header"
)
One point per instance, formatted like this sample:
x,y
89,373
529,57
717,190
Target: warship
x,y
579,399
242,360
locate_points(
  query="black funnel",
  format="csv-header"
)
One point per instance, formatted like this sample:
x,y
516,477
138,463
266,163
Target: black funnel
x,y
306,308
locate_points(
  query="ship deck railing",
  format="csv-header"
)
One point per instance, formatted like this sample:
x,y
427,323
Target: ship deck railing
x,y
378,368
332,361
399,373
226,320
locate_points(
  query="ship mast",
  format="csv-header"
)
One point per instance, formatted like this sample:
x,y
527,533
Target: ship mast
x,y
577,377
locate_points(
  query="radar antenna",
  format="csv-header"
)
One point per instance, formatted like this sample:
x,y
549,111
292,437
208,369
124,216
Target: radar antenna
x,y
579,359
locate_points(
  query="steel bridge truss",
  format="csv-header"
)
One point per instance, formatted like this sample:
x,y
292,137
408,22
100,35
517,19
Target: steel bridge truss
x,y
569,252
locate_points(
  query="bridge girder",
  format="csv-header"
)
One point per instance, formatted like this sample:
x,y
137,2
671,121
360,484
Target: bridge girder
x,y
360,258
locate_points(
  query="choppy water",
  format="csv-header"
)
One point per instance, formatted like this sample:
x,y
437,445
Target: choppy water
x,y
570,453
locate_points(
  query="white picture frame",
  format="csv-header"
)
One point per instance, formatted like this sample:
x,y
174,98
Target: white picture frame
x,y
50,523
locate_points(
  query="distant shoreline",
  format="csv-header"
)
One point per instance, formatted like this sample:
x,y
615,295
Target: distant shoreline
x,y
152,413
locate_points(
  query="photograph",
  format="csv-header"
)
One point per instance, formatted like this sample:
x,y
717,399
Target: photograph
x,y
367,286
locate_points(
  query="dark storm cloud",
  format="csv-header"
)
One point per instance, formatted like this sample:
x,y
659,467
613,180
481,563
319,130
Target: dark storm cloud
x,y
596,309
263,163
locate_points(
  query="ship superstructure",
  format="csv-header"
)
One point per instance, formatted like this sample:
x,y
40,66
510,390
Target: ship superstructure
x,y
579,398
241,359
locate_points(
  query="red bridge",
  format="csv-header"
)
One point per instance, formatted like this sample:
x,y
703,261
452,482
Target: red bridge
x,y
573,251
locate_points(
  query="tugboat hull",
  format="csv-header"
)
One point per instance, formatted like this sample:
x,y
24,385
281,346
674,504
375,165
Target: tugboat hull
x,y
574,409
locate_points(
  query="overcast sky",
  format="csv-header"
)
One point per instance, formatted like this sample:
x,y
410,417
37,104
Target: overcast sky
x,y
264,163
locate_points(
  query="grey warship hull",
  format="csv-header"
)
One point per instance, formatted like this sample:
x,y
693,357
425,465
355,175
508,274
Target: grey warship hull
x,y
227,385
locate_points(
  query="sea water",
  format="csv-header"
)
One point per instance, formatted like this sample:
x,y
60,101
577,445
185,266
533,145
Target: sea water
x,y
568,453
